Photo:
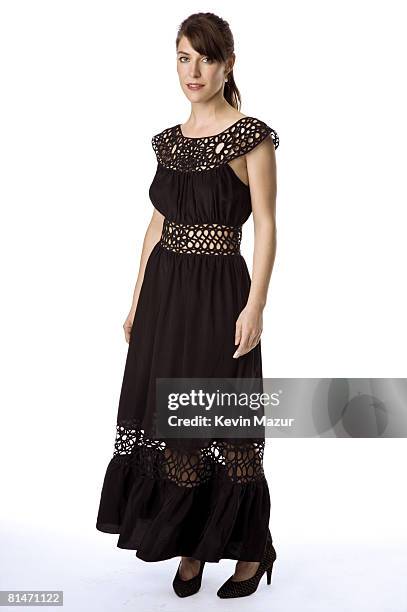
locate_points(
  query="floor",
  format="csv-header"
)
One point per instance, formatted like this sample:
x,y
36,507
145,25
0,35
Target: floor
x,y
96,575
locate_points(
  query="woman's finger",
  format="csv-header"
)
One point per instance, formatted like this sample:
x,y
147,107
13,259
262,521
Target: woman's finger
x,y
238,332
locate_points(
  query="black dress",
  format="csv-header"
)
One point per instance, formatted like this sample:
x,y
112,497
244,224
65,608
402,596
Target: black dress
x,y
164,498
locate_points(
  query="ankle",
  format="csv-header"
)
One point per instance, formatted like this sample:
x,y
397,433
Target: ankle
x,y
189,567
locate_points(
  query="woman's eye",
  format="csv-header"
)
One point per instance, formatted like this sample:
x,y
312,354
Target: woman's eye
x,y
205,59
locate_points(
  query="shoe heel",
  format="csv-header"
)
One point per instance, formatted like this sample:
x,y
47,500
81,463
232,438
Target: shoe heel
x,y
270,569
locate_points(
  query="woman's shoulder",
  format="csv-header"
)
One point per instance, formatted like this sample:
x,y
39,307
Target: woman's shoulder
x,y
163,135
254,130
163,144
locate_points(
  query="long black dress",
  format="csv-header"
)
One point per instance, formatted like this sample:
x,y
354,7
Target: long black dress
x,y
164,498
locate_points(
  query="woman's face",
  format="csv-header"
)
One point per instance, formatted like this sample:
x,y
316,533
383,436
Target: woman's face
x,y
193,68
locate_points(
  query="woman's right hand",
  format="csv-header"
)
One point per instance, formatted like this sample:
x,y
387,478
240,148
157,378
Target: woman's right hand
x,y
128,324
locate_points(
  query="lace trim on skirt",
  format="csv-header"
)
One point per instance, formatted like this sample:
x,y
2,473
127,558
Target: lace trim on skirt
x,y
238,463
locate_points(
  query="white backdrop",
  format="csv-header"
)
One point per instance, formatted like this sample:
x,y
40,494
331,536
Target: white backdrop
x,y
85,85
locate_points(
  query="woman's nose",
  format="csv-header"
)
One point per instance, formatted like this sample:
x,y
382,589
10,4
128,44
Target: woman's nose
x,y
194,72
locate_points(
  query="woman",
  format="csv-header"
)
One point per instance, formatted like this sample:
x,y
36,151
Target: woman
x,y
197,313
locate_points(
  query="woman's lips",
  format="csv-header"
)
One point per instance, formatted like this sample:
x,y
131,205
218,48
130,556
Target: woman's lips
x,y
194,87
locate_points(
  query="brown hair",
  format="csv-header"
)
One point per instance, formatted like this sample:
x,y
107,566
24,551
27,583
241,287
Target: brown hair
x,y
211,36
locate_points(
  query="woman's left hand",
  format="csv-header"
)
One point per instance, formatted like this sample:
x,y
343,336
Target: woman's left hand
x,y
249,326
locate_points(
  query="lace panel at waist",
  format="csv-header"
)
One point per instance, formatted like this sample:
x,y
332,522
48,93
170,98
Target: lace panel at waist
x,y
206,238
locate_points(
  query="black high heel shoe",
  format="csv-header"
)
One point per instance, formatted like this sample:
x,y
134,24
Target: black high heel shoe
x,y
241,588
185,588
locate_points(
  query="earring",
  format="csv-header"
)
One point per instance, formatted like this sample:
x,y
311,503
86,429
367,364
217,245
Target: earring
x,y
226,80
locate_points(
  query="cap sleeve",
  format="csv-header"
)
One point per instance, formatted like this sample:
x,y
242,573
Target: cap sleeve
x,y
162,145
156,144
252,132
274,137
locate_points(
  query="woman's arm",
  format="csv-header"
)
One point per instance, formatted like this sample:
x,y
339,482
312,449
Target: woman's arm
x,y
152,236
261,169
